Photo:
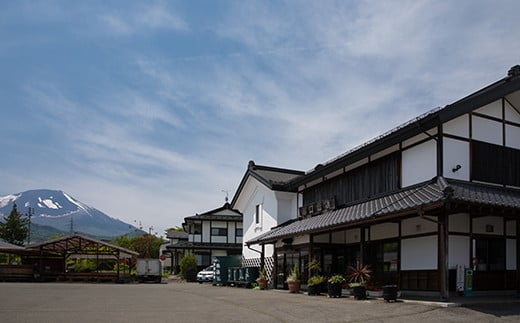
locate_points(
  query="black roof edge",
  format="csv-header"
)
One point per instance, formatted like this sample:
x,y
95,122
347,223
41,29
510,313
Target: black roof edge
x,y
251,167
416,126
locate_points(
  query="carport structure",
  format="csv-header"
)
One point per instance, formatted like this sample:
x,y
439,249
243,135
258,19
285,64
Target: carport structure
x,y
50,258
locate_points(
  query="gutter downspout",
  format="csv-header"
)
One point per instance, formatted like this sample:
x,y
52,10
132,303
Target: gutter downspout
x,y
262,256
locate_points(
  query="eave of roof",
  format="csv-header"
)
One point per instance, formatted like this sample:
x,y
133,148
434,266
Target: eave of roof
x,y
74,238
260,172
414,127
210,215
427,196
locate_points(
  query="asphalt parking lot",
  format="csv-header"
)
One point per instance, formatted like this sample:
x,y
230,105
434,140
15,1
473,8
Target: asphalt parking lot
x,y
191,302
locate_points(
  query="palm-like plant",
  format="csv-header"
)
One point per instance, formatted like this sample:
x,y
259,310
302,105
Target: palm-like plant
x,y
360,274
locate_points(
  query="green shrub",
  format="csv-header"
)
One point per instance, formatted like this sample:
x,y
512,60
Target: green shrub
x,y
188,266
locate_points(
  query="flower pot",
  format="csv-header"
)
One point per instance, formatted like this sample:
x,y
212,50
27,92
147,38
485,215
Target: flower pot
x,y
313,290
262,283
390,293
334,289
293,285
360,292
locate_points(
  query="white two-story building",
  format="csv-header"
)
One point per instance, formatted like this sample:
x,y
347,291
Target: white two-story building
x,y
214,233
265,203
439,191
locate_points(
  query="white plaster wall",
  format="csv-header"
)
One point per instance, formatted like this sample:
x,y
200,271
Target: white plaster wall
x,y
493,109
339,237
511,228
458,251
419,163
511,114
513,136
301,239
479,225
353,236
417,225
510,254
419,253
287,206
455,152
206,231
458,126
255,193
219,239
459,222
277,207
419,137
487,130
321,238
218,253
384,231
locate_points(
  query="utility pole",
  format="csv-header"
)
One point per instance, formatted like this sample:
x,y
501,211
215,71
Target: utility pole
x,y
29,216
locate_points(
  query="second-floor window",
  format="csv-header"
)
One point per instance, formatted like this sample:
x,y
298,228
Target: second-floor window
x,y
196,228
219,232
238,232
258,213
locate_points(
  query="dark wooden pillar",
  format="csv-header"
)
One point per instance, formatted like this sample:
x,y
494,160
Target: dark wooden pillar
x,y
362,246
262,257
442,256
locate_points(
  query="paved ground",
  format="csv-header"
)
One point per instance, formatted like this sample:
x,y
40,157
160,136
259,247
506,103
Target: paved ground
x,y
192,302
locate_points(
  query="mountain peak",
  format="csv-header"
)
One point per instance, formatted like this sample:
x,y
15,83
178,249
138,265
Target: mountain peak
x,y
60,210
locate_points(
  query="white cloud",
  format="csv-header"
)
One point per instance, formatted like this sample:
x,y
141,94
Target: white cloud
x,y
138,19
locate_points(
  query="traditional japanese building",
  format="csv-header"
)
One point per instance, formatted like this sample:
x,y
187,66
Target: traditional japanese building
x,y
439,191
214,233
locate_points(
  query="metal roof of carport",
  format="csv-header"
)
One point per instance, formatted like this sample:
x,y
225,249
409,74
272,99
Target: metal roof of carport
x,y
80,244
426,196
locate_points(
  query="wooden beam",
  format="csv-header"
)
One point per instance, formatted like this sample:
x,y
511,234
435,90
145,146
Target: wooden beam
x,y
442,256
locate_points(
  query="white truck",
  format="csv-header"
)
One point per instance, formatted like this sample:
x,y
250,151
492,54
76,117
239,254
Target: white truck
x,y
148,269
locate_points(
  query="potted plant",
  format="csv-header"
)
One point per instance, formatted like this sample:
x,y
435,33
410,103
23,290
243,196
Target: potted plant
x,y
316,281
314,284
334,285
262,279
358,278
390,293
293,280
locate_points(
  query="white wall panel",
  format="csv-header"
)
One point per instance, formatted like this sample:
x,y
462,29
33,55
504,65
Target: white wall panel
x,y
417,225
353,236
419,253
321,238
384,231
511,114
493,109
455,152
513,136
419,163
301,239
459,251
457,127
339,237
459,222
480,225
487,130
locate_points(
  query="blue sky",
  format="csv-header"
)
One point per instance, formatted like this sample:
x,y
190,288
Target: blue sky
x,y
148,110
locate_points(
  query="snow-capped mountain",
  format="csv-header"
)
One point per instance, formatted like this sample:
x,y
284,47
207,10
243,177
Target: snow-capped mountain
x,y
59,210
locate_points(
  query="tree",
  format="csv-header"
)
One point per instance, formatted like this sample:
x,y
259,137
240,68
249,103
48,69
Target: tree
x,y
14,228
188,266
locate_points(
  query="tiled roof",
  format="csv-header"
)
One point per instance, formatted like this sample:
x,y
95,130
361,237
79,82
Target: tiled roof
x,y
9,246
485,194
432,193
203,245
211,215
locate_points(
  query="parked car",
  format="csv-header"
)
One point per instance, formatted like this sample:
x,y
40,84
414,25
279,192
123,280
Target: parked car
x,y
206,275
